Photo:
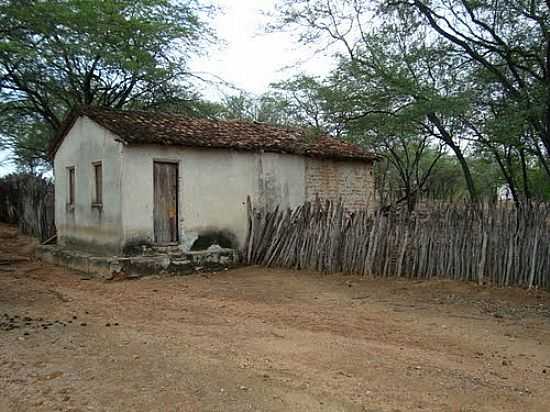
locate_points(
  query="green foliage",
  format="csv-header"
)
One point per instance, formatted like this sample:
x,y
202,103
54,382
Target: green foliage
x,y
60,53
266,109
472,76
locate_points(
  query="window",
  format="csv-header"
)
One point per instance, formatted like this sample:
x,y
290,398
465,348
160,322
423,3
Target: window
x,y
98,183
71,185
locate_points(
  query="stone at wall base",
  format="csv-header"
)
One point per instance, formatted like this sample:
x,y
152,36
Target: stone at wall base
x,y
115,267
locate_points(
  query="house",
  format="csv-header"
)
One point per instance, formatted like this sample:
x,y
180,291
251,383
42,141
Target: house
x,y
125,180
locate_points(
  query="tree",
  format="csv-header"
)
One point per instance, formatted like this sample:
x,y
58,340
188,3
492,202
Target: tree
x,y
389,76
300,101
507,44
473,75
508,40
310,102
114,53
413,162
266,109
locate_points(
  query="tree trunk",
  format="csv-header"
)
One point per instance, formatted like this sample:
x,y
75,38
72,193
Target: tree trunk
x,y
446,137
509,178
470,185
524,175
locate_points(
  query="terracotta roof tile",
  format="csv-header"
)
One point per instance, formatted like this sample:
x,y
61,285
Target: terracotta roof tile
x,y
138,127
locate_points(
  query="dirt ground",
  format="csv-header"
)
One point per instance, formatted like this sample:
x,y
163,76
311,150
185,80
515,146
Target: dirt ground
x,y
265,340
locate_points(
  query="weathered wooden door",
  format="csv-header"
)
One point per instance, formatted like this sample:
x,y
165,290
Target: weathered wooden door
x,y
166,202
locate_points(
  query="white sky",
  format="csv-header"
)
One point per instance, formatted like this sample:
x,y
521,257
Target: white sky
x,y
250,58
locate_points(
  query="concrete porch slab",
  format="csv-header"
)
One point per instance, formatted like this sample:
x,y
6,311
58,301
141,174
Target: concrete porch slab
x,y
122,267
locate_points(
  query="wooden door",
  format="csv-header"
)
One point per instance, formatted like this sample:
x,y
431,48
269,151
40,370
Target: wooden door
x,y
166,202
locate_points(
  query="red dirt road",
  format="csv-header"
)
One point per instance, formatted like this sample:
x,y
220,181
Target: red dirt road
x,y
255,339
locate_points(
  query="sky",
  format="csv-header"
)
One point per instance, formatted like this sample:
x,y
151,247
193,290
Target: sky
x,y
249,57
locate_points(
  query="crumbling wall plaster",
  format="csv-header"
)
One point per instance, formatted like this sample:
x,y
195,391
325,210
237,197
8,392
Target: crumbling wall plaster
x,y
349,181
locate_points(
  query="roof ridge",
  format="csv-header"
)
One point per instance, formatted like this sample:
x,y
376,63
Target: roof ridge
x,y
205,119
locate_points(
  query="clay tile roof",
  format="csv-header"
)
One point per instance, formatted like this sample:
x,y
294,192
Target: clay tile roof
x,y
139,127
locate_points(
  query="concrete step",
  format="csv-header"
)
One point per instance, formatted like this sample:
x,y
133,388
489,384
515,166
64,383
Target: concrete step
x,y
170,250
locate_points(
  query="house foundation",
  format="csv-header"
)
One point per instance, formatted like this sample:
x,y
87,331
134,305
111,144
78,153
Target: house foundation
x,y
171,262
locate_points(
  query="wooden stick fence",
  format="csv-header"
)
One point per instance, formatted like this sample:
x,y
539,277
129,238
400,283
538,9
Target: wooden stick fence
x,y
494,245
28,201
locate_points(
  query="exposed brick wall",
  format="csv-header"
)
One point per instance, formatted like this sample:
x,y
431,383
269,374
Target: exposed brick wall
x,y
351,181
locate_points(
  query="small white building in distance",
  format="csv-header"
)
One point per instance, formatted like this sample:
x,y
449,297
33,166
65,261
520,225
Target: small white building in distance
x,y
125,180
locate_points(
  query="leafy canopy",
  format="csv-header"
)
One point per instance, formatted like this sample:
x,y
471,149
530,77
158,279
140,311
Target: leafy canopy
x,y
56,54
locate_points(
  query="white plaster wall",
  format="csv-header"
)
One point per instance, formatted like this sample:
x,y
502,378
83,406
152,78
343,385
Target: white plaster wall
x,y
281,180
213,186
90,228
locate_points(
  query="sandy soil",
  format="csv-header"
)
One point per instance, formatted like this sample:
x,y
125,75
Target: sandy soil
x,y
265,340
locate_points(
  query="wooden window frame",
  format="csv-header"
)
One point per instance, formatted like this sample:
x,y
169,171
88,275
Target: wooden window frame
x,y
97,186
71,186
